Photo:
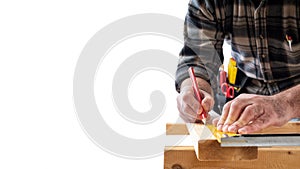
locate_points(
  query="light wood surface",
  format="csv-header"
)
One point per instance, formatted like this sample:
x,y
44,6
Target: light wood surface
x,y
207,148
268,158
176,129
291,127
181,129
184,157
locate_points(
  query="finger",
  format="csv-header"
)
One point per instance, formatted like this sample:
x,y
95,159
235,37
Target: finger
x,y
185,104
258,124
180,107
215,121
187,117
187,111
236,109
223,116
208,118
208,102
191,101
249,114
190,119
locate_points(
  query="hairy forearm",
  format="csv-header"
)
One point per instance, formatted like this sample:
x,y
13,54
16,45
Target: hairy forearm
x,y
291,100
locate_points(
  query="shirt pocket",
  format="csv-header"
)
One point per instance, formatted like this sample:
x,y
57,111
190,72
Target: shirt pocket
x,y
292,52
291,45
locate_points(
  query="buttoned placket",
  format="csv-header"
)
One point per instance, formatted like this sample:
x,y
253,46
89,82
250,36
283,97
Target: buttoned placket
x,y
260,21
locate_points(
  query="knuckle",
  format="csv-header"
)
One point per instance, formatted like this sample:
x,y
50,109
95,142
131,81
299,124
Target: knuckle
x,y
209,103
221,121
228,121
235,104
249,110
242,95
226,107
253,112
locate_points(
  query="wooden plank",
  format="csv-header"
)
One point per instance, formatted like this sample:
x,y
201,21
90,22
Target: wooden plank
x,y
291,127
176,129
181,129
268,158
210,150
207,148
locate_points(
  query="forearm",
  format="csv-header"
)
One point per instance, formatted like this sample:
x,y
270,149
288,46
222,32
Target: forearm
x,y
291,100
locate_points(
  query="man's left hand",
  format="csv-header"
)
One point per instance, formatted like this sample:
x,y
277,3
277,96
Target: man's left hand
x,y
250,113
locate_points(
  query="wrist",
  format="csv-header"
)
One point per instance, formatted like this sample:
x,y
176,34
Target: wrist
x,y
202,85
288,100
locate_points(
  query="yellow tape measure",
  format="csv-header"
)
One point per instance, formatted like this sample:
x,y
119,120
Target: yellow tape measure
x,y
219,134
232,71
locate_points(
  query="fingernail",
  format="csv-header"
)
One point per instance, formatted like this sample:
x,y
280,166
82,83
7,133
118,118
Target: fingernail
x,y
232,129
219,127
225,127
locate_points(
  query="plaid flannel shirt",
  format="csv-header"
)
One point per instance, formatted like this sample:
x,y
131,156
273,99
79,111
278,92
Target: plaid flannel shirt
x,y
257,35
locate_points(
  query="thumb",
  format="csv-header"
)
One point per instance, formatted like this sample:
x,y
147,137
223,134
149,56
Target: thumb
x,y
207,102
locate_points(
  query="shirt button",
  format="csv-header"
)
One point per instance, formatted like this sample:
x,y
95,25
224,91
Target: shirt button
x,y
261,36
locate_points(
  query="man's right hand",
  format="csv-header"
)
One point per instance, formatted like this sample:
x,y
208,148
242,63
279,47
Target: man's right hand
x,y
187,104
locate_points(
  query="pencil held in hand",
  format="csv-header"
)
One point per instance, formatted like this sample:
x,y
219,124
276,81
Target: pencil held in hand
x,y
203,114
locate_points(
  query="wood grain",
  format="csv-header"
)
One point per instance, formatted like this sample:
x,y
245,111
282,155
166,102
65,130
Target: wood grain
x,y
181,129
291,127
176,129
184,157
268,158
207,148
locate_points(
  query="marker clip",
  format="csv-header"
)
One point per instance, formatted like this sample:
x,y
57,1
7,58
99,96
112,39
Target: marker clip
x,y
289,40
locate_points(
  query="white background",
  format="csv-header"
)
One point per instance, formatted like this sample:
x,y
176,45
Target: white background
x,y
40,42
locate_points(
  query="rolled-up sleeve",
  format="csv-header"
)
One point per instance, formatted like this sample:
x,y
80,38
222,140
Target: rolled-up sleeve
x,y
203,40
